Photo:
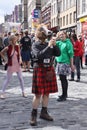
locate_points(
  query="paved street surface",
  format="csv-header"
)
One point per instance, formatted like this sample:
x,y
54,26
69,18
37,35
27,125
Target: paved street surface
x,y
15,110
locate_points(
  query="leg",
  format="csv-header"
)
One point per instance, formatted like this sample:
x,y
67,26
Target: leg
x,y
72,73
86,60
64,84
81,61
5,84
77,64
19,74
24,65
44,114
72,76
35,104
28,65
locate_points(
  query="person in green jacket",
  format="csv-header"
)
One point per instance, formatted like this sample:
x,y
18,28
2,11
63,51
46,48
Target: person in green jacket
x,y
64,62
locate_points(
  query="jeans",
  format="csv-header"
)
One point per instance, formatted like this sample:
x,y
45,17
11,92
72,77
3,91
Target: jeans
x,y
77,65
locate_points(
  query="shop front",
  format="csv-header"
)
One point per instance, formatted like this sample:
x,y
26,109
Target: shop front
x,y
84,25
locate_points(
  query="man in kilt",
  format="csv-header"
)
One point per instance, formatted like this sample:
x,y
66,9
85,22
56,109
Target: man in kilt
x,y
44,78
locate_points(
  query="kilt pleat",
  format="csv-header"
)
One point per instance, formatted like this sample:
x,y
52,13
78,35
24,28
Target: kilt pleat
x,y
39,83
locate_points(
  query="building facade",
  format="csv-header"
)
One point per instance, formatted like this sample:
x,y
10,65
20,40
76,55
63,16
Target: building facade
x,y
16,15
34,11
46,13
67,15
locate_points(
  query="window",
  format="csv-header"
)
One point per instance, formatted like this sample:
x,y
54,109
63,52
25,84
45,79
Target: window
x,y
74,16
63,20
52,10
78,7
54,22
64,5
70,18
83,6
60,22
67,19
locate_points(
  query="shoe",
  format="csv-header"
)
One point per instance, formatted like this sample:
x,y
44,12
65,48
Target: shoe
x,y
33,121
24,95
78,80
44,115
71,79
60,99
2,96
62,96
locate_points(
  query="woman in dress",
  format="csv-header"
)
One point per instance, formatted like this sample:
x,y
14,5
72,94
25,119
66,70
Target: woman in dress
x,y
14,61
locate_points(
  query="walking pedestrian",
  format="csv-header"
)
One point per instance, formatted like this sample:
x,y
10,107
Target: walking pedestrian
x,y
14,60
64,63
44,78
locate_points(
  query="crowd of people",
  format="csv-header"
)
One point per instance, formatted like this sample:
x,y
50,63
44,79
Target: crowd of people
x,y
51,54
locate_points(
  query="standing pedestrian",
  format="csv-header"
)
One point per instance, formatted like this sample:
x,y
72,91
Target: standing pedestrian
x,y
64,63
25,43
44,78
77,54
14,60
81,50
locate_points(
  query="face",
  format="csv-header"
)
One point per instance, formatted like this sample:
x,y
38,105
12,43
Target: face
x,y
13,40
62,36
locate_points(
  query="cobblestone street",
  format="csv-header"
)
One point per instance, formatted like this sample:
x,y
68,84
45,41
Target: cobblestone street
x,y
15,110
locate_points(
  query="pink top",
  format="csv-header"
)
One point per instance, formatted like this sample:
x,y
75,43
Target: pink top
x,y
15,65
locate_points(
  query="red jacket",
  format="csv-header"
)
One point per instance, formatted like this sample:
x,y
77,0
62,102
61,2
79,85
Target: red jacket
x,y
77,48
9,54
81,48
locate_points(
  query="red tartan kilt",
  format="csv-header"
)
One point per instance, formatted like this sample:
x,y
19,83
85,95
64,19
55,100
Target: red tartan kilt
x,y
40,85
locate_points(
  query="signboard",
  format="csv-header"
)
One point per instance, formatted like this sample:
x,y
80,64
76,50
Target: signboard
x,y
35,13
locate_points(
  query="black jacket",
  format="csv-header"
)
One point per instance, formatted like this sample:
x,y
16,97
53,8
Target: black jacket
x,y
42,51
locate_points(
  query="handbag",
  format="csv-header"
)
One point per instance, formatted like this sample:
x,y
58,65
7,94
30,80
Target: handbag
x,y
49,75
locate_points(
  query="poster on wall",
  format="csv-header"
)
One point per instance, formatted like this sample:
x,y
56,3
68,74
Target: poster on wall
x,y
84,28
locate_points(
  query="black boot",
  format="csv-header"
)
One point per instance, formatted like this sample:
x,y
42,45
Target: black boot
x,y
44,114
33,120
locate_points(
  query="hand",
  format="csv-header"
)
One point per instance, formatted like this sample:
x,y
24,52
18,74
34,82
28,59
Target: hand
x,y
52,42
72,68
20,61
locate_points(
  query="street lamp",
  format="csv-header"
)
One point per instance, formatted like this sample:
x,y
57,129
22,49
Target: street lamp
x,y
58,11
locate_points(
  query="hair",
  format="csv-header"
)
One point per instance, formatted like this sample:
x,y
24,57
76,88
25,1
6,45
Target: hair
x,y
41,34
16,34
26,31
11,38
9,33
63,32
74,36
